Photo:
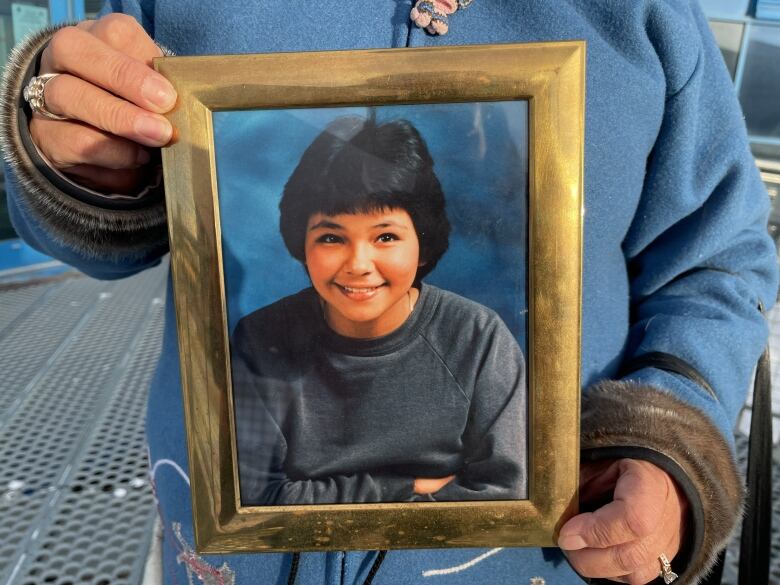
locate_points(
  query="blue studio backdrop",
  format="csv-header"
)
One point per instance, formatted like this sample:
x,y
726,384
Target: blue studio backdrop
x,y
480,153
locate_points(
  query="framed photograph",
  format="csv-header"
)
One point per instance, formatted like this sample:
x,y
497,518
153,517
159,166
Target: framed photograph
x,y
377,273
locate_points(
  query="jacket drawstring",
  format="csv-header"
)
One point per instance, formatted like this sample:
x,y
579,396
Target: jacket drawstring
x,y
375,567
296,558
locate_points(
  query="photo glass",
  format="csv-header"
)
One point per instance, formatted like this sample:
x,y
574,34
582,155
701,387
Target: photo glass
x,y
377,323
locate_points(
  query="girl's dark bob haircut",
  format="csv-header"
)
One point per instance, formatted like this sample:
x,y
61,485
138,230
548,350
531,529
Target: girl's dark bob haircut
x,y
357,166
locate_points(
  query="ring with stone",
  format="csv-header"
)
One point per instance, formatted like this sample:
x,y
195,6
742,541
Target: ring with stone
x,y
34,95
666,569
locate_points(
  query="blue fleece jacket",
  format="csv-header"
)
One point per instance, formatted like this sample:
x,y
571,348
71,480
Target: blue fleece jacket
x,y
676,255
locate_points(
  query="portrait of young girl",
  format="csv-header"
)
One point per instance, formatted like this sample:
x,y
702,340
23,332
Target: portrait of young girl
x,y
370,384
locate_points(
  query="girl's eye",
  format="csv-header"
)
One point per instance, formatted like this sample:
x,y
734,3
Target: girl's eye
x,y
329,239
388,237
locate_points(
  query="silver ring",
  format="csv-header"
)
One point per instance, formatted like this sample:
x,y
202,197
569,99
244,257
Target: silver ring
x,y
666,569
34,95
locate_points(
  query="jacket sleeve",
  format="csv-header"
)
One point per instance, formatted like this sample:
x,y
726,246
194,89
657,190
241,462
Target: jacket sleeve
x,y
701,266
106,236
495,444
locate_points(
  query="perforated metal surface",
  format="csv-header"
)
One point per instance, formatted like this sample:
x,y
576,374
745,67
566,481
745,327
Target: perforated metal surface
x,y
77,356
15,301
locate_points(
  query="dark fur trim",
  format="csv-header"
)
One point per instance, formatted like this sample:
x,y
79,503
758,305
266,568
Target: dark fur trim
x,y
613,416
95,232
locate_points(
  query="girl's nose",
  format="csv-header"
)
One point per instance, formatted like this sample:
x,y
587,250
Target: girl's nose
x,y
360,260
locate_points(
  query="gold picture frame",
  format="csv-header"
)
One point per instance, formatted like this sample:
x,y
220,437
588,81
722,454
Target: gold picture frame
x,y
550,78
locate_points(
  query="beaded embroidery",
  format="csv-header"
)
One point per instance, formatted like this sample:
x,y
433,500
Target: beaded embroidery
x,y
433,15
196,566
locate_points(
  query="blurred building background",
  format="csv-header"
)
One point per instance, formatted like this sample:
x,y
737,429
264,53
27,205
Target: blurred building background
x,y
749,37
76,355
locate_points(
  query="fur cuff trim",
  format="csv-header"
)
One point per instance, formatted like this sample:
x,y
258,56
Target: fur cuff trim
x,y
642,418
95,232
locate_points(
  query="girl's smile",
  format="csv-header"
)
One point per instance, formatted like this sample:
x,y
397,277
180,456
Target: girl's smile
x,y
359,294
363,266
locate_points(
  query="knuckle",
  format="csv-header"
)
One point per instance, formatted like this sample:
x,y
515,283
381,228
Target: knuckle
x,y
116,118
117,29
641,523
118,156
100,150
629,558
60,159
86,144
49,142
600,534
53,94
121,74
62,44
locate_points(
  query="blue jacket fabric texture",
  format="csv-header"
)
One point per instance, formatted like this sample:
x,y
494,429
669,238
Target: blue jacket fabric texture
x,y
676,260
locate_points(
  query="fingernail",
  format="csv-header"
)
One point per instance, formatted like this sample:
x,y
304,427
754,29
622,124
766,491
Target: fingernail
x,y
143,157
572,542
153,128
158,91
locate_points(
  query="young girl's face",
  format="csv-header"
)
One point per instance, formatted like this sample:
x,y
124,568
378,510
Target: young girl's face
x,y
363,265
